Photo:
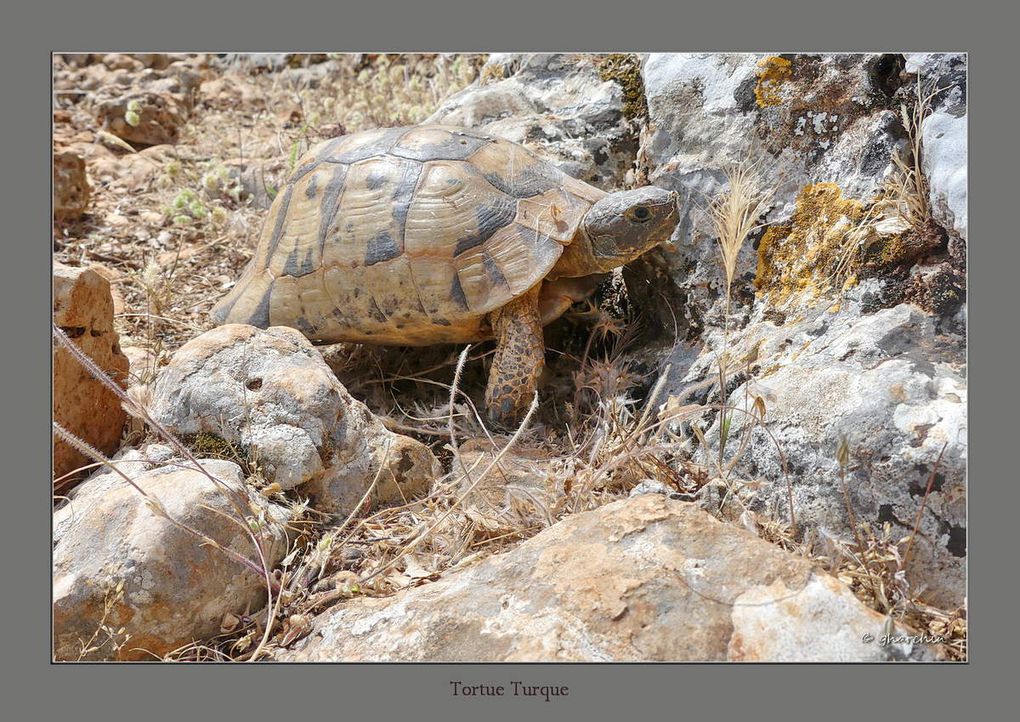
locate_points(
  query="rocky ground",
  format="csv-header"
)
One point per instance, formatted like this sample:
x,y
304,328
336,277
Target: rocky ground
x,y
746,450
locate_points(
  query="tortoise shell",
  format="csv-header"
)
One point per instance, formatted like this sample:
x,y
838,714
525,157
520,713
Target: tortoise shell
x,y
407,236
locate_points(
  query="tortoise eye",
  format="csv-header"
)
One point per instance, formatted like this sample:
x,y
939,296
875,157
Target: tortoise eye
x,y
639,214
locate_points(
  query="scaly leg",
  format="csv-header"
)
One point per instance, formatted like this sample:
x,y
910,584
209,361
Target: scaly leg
x,y
519,360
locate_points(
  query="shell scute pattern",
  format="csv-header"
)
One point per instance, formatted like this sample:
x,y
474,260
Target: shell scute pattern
x,y
407,236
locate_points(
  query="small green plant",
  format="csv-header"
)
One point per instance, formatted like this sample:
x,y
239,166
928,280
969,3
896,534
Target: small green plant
x,y
186,207
132,115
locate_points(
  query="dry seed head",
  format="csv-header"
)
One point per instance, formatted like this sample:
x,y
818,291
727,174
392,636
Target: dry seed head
x,y
735,213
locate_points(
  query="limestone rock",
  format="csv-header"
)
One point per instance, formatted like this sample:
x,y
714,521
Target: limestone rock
x,y
174,589
136,61
945,163
893,384
132,172
270,391
643,579
559,105
944,136
83,308
799,119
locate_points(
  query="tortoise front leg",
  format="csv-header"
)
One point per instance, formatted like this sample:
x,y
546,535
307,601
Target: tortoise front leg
x,y
519,359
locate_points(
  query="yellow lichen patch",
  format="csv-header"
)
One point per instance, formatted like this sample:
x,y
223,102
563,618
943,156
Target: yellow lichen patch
x,y
774,71
624,69
891,250
808,256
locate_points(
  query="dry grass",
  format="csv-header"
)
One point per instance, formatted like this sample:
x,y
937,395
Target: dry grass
x,y
902,203
906,193
735,214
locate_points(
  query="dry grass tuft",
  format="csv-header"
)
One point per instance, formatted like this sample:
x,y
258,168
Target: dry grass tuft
x,y
906,192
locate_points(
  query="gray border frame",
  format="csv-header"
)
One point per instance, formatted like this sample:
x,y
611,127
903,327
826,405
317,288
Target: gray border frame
x,y
597,692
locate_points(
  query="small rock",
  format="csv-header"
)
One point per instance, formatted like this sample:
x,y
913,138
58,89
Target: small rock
x,y
134,171
231,91
643,579
522,475
83,308
651,486
157,61
255,180
891,226
270,391
71,190
121,61
143,118
128,584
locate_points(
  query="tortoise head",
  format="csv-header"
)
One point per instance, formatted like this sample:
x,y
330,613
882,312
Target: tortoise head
x,y
625,224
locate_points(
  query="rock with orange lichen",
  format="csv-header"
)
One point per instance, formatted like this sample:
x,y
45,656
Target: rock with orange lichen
x,y
130,584
645,579
809,255
270,392
798,118
773,74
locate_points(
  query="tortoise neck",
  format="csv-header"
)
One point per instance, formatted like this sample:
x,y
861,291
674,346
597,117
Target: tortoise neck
x,y
577,259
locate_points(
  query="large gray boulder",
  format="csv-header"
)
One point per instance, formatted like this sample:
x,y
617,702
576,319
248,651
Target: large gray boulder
x,y
271,393
799,119
894,386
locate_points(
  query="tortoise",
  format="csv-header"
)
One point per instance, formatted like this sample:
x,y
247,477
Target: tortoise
x,y
432,234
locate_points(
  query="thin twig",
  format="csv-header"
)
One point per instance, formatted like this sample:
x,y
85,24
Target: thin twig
x,y
924,501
